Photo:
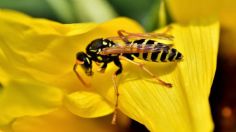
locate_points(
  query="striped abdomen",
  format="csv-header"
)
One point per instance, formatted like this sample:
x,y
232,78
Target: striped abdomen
x,y
157,52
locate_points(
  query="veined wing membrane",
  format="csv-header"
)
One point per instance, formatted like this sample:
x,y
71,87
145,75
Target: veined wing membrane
x,y
133,49
147,35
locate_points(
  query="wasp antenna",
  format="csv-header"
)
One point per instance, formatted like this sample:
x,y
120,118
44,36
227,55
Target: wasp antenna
x,y
79,77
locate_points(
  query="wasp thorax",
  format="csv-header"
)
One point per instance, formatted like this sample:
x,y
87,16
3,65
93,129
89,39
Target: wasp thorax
x,y
94,46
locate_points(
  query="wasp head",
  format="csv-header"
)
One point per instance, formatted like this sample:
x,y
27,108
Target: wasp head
x,y
85,62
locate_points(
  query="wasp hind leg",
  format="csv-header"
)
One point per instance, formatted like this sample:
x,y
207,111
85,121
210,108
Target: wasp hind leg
x,y
125,36
122,32
121,36
114,78
156,78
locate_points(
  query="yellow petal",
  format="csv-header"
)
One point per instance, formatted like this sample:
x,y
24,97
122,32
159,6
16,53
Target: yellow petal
x,y
185,107
185,11
61,120
45,50
88,104
22,97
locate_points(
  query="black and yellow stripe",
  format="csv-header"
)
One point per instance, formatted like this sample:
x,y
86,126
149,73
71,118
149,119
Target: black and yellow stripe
x,y
163,52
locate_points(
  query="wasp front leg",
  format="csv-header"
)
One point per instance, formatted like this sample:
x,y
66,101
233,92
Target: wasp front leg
x,y
102,68
97,63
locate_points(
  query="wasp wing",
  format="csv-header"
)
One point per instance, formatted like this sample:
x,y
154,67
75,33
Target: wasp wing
x,y
147,36
118,49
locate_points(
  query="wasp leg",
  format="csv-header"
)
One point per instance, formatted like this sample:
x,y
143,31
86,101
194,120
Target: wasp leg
x,y
114,76
121,36
97,63
128,56
168,28
78,75
129,35
125,36
147,71
102,68
122,32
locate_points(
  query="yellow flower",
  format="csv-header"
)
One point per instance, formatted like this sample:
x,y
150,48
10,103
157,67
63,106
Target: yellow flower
x,y
42,53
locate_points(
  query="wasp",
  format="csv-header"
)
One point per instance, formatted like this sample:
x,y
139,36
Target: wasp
x,y
137,45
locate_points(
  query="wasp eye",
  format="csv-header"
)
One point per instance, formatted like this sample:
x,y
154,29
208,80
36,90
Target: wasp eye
x,y
81,56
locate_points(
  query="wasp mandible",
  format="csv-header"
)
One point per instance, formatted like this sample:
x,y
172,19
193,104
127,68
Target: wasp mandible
x,y
137,45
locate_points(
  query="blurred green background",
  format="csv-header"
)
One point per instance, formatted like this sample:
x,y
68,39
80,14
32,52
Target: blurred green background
x,y
150,13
